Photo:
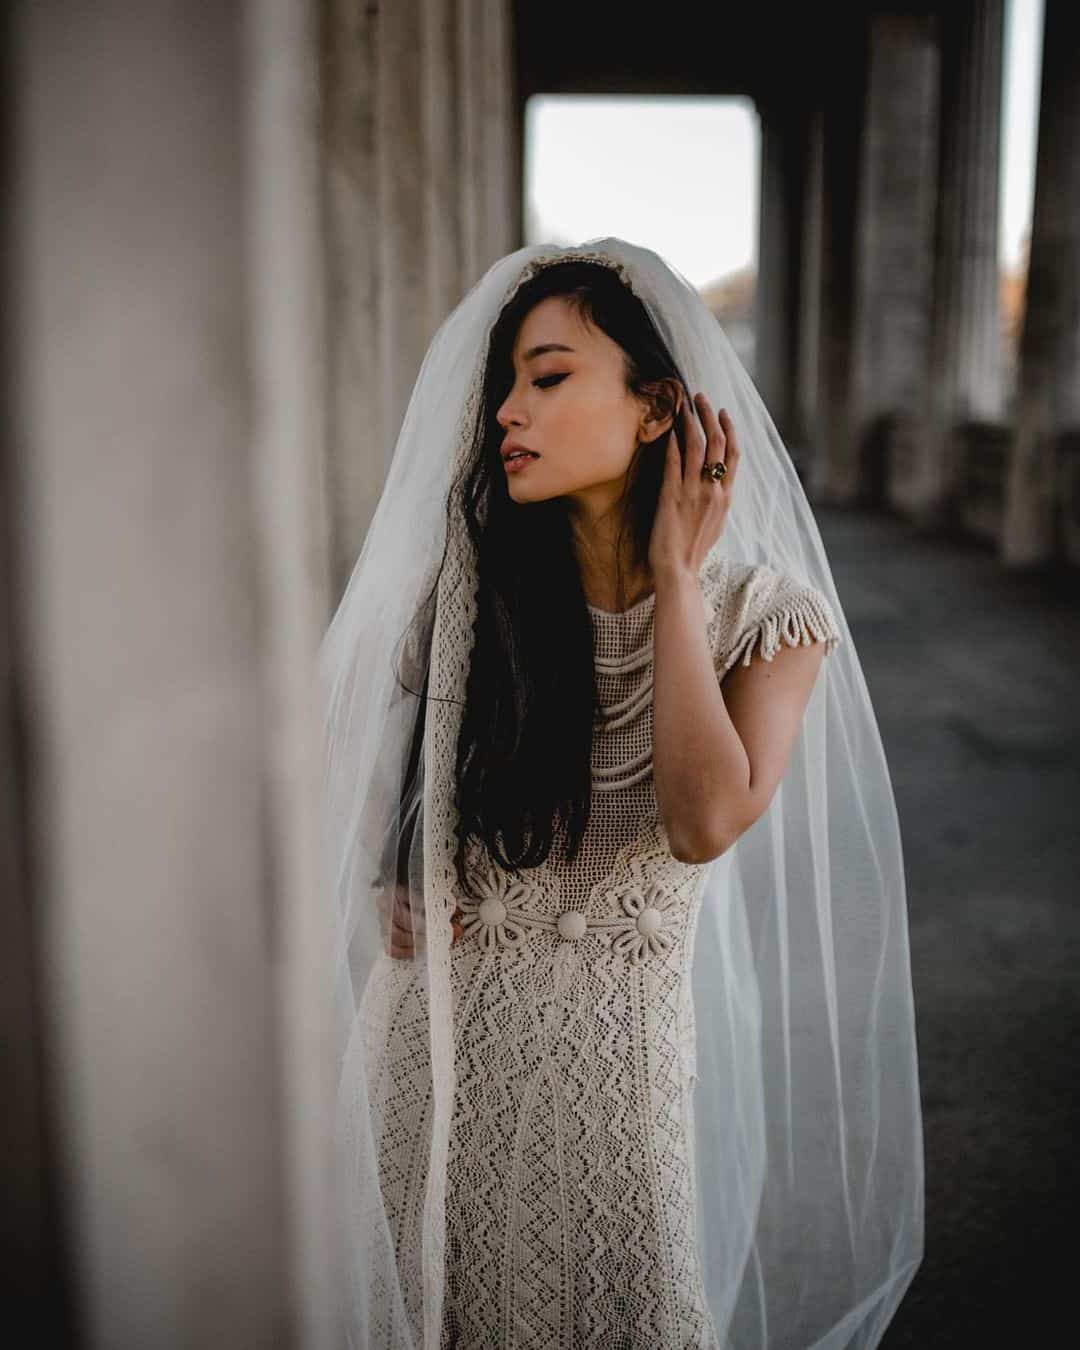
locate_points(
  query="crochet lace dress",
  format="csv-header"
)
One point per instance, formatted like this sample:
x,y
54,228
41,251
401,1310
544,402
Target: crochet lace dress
x,y
570,1189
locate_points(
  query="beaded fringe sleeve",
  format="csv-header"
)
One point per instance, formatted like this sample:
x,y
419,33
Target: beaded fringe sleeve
x,y
762,608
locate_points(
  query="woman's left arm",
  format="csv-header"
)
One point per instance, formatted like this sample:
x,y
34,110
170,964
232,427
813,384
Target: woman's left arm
x,y
718,751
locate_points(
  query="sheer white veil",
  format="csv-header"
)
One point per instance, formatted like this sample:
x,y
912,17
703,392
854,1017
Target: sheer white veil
x,y
806,1108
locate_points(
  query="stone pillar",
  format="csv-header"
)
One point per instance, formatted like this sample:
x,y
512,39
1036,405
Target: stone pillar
x,y
964,379
808,348
489,165
895,247
422,180
1043,488
780,238
287,327
355,407
834,472
502,153
402,162
166,309
443,218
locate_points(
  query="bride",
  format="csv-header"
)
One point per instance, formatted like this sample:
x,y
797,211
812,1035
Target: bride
x,y
626,1050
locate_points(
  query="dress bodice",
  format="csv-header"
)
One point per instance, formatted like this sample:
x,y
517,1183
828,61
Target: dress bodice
x,y
625,892
622,891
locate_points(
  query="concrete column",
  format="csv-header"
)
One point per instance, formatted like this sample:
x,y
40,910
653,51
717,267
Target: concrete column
x,y
287,324
964,379
355,407
895,248
403,325
1042,516
776,301
167,317
489,165
834,475
808,352
422,178
503,156
443,216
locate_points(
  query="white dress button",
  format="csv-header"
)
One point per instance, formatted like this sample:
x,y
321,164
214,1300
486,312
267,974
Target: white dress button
x,y
571,924
492,911
650,920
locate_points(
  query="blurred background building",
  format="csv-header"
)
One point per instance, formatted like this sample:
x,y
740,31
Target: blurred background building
x,y
232,231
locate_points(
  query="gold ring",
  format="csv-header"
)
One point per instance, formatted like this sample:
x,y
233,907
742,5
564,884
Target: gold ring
x,y
714,471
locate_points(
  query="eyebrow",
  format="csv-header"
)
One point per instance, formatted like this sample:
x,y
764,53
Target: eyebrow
x,y
545,347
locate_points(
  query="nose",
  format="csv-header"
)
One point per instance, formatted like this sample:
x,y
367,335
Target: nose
x,y
506,417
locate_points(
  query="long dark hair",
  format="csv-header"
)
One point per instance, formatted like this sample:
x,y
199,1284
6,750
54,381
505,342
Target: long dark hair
x,y
523,766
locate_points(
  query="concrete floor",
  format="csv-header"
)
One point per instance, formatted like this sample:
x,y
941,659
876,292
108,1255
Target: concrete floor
x,y
974,676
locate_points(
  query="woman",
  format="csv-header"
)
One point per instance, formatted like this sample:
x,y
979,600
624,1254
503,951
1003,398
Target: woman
x,y
631,1094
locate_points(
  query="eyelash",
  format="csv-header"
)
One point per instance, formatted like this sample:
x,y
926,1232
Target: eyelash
x,y
541,383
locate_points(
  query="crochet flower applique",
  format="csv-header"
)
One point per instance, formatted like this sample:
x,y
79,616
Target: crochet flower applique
x,y
498,919
648,932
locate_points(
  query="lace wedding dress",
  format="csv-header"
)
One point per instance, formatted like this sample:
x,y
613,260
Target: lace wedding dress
x,y
570,1209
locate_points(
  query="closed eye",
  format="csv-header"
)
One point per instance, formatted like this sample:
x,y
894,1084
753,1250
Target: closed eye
x,y
545,381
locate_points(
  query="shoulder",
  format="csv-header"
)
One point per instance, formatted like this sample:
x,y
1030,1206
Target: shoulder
x,y
755,607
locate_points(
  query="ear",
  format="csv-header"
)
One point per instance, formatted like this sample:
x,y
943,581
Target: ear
x,y
661,400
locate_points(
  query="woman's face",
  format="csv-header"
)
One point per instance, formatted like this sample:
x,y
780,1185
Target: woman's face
x,y
572,407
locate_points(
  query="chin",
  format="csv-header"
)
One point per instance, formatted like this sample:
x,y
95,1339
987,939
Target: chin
x,y
525,492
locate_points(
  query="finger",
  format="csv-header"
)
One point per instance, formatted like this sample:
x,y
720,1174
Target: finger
x,y
671,479
401,932
732,453
399,943
715,431
694,441
404,919
405,911
731,441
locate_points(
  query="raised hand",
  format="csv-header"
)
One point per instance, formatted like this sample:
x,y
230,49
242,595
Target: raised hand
x,y
692,508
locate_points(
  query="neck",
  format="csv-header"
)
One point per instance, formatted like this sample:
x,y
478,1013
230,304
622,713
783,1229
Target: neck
x,y
602,560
